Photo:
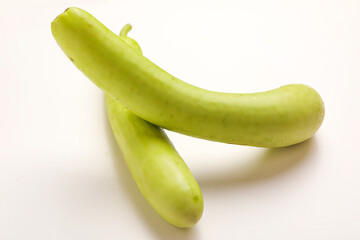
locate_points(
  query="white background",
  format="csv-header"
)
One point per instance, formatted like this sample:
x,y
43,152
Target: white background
x,y
62,175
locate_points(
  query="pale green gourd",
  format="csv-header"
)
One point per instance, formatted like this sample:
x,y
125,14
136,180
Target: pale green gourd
x,y
159,172
280,117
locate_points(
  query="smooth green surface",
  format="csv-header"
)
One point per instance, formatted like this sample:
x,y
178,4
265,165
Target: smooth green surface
x,y
276,118
160,173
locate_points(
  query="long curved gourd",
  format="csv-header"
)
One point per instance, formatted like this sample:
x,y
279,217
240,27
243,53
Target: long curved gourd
x,y
280,117
158,170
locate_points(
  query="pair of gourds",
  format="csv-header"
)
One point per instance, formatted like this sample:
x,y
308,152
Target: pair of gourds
x,y
140,96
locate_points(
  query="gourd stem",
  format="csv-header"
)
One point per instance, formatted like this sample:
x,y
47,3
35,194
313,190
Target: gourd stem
x,y
124,31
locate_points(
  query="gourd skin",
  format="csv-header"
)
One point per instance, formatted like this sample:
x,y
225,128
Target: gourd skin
x,y
159,172
280,117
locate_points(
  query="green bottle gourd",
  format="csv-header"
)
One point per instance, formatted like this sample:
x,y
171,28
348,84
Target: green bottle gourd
x,y
280,117
159,172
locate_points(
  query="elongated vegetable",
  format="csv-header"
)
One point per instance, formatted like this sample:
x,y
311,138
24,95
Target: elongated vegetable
x,y
276,118
158,170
